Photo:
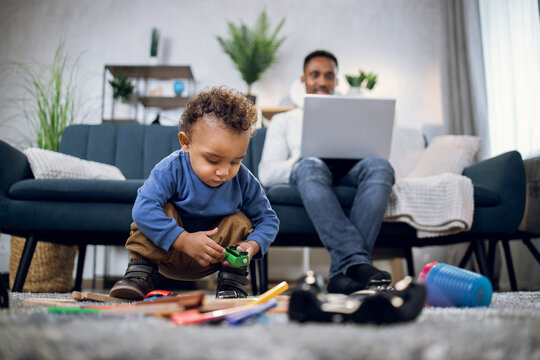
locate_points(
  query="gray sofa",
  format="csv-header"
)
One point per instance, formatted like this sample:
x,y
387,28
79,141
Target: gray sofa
x,y
84,212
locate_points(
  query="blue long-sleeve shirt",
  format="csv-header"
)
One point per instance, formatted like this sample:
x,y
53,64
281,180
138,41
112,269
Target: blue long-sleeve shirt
x,y
200,206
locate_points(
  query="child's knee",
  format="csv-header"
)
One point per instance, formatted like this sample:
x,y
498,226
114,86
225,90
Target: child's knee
x,y
233,229
236,220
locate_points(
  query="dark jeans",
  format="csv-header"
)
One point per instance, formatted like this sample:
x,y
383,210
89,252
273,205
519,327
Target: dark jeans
x,y
349,239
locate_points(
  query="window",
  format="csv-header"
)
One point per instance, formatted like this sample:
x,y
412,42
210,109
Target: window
x,y
511,45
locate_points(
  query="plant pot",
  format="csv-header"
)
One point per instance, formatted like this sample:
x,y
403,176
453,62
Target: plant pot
x,y
354,91
122,110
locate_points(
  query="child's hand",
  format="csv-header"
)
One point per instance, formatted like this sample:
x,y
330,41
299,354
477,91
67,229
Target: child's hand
x,y
200,247
250,246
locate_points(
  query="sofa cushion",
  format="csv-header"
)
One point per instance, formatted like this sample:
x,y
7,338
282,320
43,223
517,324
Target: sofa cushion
x,y
47,164
135,149
254,151
288,195
407,146
40,217
449,153
76,190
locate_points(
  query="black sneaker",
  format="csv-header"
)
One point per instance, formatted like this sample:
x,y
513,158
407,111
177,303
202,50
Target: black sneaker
x,y
138,281
232,282
343,284
369,275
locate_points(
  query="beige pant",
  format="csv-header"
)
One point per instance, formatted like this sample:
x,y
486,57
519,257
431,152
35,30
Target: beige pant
x,y
174,264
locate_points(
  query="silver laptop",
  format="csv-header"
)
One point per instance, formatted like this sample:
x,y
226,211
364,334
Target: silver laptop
x,y
339,127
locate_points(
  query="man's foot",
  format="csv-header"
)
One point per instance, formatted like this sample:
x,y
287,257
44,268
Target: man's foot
x,y
343,284
232,282
138,281
369,275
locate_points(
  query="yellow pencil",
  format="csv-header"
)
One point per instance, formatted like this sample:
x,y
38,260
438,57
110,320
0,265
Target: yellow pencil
x,y
273,292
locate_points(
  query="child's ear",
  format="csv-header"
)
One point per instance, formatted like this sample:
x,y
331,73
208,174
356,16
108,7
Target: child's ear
x,y
184,141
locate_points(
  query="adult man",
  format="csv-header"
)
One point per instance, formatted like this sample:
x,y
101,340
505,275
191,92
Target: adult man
x,y
349,240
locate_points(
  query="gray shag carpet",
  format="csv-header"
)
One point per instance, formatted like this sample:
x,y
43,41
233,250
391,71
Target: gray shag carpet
x,y
508,329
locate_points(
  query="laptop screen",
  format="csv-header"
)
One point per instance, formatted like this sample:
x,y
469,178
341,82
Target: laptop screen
x,y
342,127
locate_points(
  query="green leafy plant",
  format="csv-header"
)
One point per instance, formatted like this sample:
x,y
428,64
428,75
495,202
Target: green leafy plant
x,y
357,81
252,50
122,87
154,42
49,102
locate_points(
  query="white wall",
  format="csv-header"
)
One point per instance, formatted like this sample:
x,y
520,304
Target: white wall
x,y
402,41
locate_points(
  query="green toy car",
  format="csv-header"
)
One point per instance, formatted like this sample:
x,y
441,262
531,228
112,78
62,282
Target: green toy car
x,y
236,257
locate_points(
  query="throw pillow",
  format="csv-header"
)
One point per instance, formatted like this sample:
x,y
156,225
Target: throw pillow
x,y
407,147
448,153
47,164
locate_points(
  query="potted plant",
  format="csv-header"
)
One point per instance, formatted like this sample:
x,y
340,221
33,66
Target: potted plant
x,y
122,87
50,100
356,82
49,104
252,50
154,42
122,91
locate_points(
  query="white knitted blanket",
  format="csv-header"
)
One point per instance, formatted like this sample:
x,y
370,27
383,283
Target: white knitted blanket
x,y
435,205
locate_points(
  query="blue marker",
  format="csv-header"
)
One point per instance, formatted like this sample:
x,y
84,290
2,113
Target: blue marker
x,y
240,317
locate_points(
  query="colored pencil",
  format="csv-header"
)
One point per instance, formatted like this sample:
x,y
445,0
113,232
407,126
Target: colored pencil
x,y
272,293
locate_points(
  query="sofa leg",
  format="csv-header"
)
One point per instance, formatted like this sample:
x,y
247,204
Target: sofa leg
x,y
466,256
527,241
263,273
492,249
410,261
480,253
509,264
24,263
253,275
80,268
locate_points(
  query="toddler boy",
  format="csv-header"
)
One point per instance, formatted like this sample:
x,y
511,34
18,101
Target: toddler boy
x,y
199,200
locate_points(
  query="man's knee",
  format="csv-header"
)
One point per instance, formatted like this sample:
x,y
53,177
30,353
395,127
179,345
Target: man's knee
x,y
311,169
376,169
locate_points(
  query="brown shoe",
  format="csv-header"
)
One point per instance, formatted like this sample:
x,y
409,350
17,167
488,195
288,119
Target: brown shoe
x,y
139,280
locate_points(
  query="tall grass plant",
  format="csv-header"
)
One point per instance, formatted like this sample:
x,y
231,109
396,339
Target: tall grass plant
x,y
49,102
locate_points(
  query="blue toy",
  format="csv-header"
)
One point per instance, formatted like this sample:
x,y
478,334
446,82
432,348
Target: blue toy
x,y
179,87
449,285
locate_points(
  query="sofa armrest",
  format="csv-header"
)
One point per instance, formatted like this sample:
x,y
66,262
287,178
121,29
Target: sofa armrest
x,y
504,175
14,166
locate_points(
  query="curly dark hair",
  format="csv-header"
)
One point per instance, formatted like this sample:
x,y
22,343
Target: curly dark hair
x,y
235,110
